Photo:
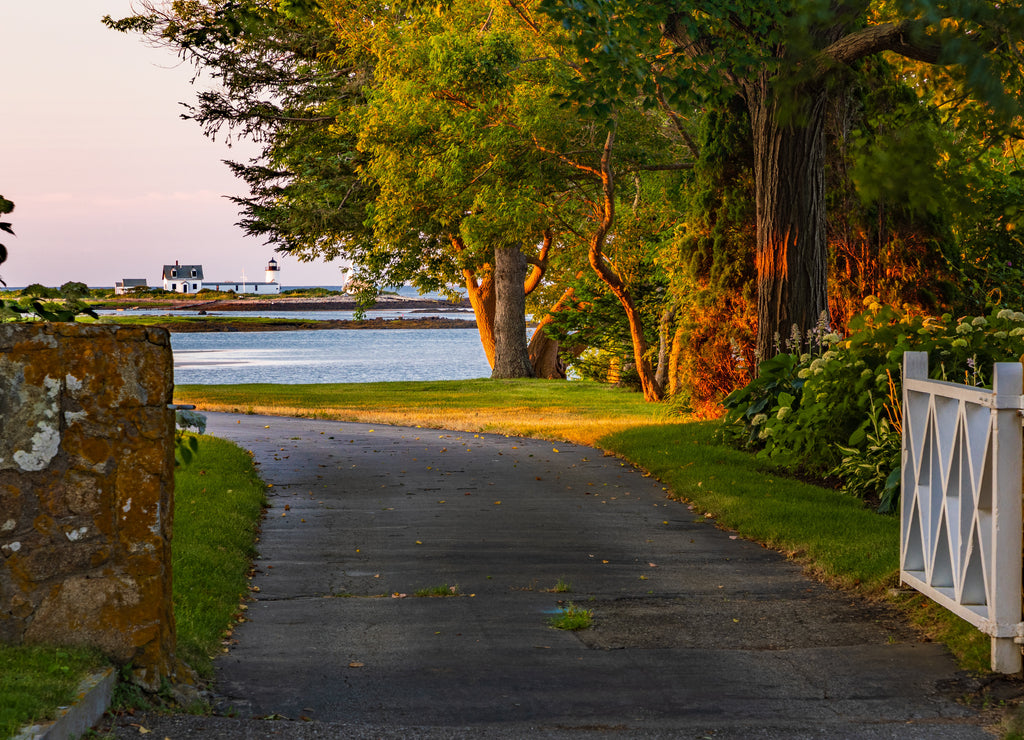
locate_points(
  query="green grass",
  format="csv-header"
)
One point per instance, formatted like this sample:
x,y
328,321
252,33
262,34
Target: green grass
x,y
218,501
441,591
580,412
35,680
572,617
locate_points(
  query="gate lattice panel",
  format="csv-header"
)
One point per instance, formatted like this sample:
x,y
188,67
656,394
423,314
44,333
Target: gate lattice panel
x,y
960,511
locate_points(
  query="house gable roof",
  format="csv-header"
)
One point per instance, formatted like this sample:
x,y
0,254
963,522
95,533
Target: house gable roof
x,y
183,272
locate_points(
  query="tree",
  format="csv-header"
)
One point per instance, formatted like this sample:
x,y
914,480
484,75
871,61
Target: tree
x,y
306,79
786,61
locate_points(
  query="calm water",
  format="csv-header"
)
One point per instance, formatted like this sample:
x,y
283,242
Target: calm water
x,y
328,356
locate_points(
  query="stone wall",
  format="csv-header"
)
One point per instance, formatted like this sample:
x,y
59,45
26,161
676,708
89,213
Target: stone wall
x,y
86,491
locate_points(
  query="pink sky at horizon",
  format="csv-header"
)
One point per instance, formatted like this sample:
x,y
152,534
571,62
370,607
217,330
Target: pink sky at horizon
x,y
108,182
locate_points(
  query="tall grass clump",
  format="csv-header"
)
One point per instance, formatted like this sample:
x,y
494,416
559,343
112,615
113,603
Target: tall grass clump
x,y
834,410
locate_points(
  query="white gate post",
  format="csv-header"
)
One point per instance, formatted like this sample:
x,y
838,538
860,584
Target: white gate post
x,y
1006,516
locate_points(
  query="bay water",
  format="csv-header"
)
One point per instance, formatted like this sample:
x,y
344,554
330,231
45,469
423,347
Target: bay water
x,y
328,356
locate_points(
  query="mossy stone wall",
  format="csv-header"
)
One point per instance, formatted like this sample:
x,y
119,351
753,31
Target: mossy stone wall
x,y
86,491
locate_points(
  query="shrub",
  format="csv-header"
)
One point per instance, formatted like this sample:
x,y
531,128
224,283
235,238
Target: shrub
x,y
836,409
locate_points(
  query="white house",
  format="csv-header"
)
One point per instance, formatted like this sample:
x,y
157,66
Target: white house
x,y
189,279
128,285
183,278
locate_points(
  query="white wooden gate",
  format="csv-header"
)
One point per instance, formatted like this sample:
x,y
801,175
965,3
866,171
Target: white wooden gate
x,y
960,508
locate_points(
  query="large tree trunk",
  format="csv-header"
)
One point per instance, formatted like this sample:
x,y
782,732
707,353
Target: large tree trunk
x,y
792,252
511,354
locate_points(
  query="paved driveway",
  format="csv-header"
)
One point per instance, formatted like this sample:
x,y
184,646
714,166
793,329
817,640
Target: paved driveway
x,y
696,633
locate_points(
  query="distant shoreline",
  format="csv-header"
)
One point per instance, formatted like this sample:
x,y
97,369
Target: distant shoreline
x,y
324,303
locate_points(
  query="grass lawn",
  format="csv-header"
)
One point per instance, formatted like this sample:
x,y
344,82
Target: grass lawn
x,y
36,679
581,412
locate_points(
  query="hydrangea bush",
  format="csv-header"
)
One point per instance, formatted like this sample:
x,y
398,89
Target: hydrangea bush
x,y
835,411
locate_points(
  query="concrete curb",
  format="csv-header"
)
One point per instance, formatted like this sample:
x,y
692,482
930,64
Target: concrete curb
x,y
92,700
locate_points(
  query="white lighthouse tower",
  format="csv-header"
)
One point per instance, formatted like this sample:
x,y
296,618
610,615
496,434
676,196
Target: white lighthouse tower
x,y
272,270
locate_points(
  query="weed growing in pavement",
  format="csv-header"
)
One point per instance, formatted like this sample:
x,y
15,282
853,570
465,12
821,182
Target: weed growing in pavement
x,y
439,591
572,617
561,587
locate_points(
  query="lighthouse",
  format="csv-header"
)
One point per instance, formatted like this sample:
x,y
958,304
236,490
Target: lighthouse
x,y
272,270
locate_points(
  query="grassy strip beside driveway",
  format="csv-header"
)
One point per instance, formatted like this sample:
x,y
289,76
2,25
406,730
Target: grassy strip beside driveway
x,y
218,501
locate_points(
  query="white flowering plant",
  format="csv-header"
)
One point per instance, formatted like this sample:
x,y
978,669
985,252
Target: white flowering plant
x,y
822,412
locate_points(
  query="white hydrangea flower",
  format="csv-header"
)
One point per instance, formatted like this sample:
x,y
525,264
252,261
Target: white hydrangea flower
x,y
804,374
959,342
866,373
1017,316
783,413
979,321
831,338
759,420
964,329
1005,314
1018,332
1000,335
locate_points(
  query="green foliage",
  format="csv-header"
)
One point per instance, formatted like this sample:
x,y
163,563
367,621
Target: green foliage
x,y
593,332
873,469
6,207
186,445
710,263
838,409
49,304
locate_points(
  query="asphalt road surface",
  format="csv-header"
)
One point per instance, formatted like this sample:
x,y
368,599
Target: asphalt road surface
x,y
696,633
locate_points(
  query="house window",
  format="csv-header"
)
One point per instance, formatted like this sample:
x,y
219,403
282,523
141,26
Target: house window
x,y
174,273
193,273
174,287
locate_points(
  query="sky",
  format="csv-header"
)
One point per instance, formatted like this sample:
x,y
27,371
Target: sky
x,y
108,182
